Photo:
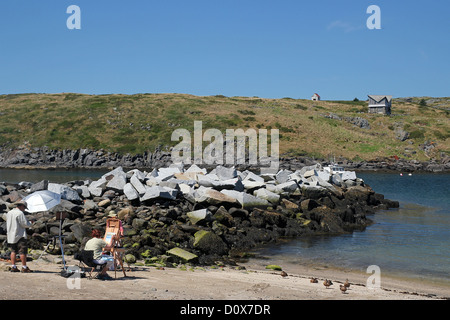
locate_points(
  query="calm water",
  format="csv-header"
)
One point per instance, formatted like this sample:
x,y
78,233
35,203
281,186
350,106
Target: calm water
x,y
412,241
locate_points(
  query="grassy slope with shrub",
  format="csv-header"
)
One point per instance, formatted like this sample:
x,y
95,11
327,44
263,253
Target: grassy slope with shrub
x,y
137,123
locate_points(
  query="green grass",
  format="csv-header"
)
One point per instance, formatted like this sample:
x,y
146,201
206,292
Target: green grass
x,y
138,123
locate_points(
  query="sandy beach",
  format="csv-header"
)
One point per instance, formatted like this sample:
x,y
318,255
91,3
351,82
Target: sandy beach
x,y
195,283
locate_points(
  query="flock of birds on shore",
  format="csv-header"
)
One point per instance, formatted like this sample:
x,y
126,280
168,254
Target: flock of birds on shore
x,y
327,283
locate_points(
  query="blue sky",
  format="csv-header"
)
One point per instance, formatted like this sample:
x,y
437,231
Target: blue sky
x,y
270,49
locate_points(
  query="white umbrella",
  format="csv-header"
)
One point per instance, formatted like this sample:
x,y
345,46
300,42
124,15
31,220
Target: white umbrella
x,y
42,201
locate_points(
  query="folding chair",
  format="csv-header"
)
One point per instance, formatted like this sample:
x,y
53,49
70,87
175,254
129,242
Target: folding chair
x,y
112,237
86,259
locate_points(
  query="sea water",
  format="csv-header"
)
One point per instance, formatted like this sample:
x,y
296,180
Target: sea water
x,y
412,241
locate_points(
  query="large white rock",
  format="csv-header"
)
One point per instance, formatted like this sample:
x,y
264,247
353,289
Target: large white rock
x,y
164,176
295,177
97,187
186,189
336,179
172,192
152,174
168,171
312,182
137,184
246,200
232,184
116,178
66,192
273,188
249,184
303,170
115,172
348,175
170,184
179,166
199,215
196,169
137,173
187,176
151,181
317,181
190,183
309,173
158,192
199,194
289,186
225,173
209,181
323,175
130,192
267,195
83,191
117,182
215,197
250,176
188,192
268,176
283,175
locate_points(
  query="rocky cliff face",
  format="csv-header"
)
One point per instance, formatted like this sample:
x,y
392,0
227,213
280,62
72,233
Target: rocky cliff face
x,y
96,159
79,158
175,214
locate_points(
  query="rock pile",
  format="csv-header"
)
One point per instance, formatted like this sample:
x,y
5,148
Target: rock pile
x,y
189,214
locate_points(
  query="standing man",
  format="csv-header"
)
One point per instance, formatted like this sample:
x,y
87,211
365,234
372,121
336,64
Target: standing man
x,y
16,224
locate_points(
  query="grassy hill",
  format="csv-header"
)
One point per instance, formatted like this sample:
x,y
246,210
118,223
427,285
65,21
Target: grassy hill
x,y
138,123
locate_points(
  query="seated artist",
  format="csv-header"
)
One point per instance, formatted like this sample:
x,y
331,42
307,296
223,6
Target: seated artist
x,y
97,244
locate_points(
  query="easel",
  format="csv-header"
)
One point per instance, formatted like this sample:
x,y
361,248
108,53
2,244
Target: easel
x,y
112,238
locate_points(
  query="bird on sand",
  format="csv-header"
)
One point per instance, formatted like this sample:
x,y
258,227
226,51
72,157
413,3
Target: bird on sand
x,y
313,280
347,284
343,288
327,283
284,274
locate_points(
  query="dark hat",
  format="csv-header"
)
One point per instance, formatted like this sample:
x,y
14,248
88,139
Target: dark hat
x,y
21,202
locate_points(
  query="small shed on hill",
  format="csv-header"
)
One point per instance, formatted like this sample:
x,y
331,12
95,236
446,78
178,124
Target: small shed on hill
x,y
315,97
380,104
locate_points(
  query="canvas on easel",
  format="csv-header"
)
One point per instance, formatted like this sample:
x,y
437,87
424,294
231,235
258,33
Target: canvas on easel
x,y
112,237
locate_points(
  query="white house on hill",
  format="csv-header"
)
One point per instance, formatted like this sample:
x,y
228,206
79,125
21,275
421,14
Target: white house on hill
x,y
315,97
380,104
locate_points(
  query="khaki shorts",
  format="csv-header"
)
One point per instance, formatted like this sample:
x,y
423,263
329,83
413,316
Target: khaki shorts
x,y
19,247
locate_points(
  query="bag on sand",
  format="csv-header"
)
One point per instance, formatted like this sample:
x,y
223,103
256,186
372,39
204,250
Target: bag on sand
x,y
67,273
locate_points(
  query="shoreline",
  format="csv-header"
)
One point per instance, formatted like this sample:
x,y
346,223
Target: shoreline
x,y
194,283
390,281
86,159
69,168
320,268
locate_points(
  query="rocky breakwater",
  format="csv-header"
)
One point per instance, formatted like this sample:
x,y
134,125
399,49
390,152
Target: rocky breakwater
x,y
173,214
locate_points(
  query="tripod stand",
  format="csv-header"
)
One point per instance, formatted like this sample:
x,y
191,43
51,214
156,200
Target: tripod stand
x,y
60,216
